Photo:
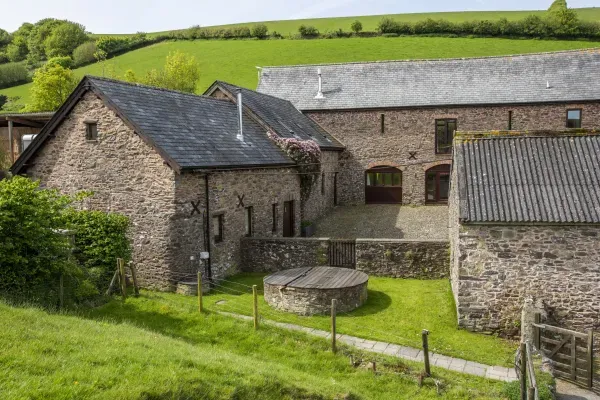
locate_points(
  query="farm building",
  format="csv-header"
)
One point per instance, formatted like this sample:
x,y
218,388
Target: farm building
x,y
525,222
17,131
397,118
194,173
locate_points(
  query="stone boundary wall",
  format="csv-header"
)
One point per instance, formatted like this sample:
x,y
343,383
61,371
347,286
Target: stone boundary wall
x,y
396,258
403,258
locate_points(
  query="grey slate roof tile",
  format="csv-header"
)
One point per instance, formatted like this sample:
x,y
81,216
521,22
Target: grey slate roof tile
x,y
572,75
283,117
529,179
195,131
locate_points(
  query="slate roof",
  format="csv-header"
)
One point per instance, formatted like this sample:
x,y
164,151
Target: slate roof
x,y
545,179
572,75
281,116
189,131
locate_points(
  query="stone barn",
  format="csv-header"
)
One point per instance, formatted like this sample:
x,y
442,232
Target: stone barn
x,y
525,223
193,173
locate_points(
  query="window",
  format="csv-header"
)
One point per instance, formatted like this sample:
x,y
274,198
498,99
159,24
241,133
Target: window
x,y
437,184
383,185
275,212
382,123
26,141
510,115
323,183
91,131
218,228
444,133
249,212
574,118
384,179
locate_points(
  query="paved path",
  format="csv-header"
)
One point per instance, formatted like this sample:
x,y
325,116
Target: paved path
x,y
407,353
388,221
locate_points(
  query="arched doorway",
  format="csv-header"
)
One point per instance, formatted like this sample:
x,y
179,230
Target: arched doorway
x,y
437,184
383,185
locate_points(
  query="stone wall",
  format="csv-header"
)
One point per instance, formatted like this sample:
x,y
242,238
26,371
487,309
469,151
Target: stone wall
x,y
126,176
413,130
400,258
321,198
276,254
497,267
378,257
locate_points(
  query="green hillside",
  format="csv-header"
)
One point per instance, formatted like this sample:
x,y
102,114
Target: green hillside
x,y
235,60
370,21
158,347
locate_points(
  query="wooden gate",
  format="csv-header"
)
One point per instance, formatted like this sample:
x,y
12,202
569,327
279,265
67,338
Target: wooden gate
x,y
572,352
342,253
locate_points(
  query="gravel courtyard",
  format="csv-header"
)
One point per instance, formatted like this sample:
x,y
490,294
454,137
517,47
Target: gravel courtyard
x,y
387,221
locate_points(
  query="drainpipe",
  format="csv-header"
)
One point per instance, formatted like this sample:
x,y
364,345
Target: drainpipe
x,y
10,141
240,134
207,232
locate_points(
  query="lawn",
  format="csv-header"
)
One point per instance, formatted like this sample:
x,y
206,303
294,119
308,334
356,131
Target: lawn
x,y
397,310
159,347
370,22
235,60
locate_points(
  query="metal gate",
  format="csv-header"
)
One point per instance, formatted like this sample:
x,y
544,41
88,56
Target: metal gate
x,y
572,353
342,253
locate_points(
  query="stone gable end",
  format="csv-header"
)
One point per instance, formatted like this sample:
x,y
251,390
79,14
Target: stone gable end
x,y
125,174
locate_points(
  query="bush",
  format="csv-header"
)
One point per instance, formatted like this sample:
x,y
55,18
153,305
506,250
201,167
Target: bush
x,y
12,74
64,39
356,26
111,44
308,31
65,62
387,25
100,239
3,57
240,32
260,31
84,54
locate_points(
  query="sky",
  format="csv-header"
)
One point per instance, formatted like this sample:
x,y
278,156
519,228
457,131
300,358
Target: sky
x,y
130,16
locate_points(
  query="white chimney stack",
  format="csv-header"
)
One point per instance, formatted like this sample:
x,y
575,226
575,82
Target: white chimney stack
x,y
320,92
240,134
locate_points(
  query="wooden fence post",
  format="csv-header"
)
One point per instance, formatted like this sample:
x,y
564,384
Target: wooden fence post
x,y
537,332
424,335
199,291
136,289
123,279
61,290
574,358
590,360
333,315
523,371
531,393
255,306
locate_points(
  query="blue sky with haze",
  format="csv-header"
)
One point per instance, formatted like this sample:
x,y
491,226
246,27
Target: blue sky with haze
x,y
128,16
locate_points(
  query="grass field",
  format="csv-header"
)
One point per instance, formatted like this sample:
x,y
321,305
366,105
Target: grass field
x,y
235,60
156,347
370,21
397,310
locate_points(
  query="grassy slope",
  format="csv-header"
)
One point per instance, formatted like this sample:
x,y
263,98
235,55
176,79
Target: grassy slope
x,y
169,351
397,310
370,21
235,60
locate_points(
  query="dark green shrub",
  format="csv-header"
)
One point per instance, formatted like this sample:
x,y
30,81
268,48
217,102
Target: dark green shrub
x,y
276,35
84,54
241,32
533,26
387,25
12,74
260,31
356,26
426,26
3,57
308,31
100,239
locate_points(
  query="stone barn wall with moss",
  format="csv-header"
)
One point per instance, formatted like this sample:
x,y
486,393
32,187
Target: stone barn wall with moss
x,y
395,258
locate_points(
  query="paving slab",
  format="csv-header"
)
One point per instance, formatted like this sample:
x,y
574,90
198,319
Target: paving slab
x,y
404,352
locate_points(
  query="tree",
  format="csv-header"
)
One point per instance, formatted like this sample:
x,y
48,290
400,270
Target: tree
x,y
17,50
5,38
64,38
260,31
181,72
356,26
35,41
52,84
558,5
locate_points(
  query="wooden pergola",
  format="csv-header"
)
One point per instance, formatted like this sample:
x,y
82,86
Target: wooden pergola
x,y
14,120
